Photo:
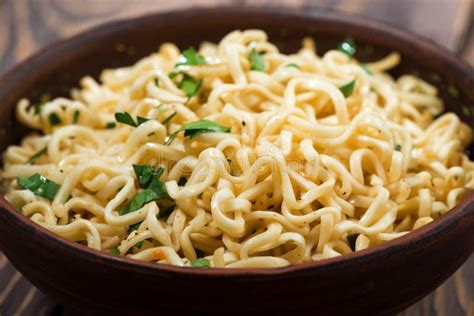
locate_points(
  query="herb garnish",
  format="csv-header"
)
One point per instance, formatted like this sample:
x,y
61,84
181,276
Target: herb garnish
x,y
398,147
292,65
256,61
115,251
182,181
190,57
54,119
348,88
110,125
39,185
145,174
169,118
200,263
196,128
126,118
75,116
367,69
38,154
45,97
348,47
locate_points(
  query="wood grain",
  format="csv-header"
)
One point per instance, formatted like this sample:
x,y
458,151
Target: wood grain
x,y
27,25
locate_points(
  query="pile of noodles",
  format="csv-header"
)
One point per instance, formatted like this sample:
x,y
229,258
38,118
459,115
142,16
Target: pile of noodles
x,y
310,169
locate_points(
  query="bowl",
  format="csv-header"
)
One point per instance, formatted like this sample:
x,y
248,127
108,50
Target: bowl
x,y
379,280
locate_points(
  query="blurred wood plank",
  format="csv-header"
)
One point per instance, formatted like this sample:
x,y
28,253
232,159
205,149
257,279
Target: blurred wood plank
x,y
27,25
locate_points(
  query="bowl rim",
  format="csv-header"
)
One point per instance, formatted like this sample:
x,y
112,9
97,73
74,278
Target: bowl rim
x,y
429,231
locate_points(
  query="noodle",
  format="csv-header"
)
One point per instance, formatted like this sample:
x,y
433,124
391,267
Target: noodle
x,y
240,156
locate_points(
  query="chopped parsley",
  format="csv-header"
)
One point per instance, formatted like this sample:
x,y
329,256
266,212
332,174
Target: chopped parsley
x,y
348,88
75,116
367,69
38,154
146,173
196,128
182,181
169,118
54,119
115,251
39,185
293,65
200,263
190,57
348,47
126,118
398,147
256,61
45,97
110,125
157,81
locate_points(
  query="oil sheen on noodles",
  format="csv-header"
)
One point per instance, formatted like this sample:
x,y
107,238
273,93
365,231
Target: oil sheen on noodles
x,y
300,157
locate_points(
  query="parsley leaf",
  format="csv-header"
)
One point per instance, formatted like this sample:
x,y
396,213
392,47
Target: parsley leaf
x,y
348,88
54,119
133,227
166,211
200,263
157,81
398,147
75,116
126,118
182,181
110,125
38,154
292,65
146,173
169,118
139,244
190,86
367,69
190,57
45,97
256,61
39,185
196,128
115,251
348,47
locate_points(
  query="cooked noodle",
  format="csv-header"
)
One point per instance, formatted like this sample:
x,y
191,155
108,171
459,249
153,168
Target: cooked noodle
x,y
304,174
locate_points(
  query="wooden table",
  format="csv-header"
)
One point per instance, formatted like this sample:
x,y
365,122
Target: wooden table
x,y
27,25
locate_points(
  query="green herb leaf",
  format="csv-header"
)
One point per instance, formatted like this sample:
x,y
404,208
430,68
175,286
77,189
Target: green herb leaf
x,y
38,154
146,173
75,116
256,61
348,88
133,227
190,57
126,118
39,185
139,244
367,69
200,263
169,118
110,125
292,65
196,128
115,251
190,86
398,147
352,240
54,119
166,211
348,47
45,97
157,82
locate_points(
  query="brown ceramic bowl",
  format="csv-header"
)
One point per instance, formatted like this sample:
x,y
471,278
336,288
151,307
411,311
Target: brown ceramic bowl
x,y
383,279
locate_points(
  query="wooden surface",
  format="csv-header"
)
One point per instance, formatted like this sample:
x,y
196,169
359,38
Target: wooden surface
x,y
27,25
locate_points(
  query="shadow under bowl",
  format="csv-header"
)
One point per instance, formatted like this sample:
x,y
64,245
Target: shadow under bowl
x,y
383,279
